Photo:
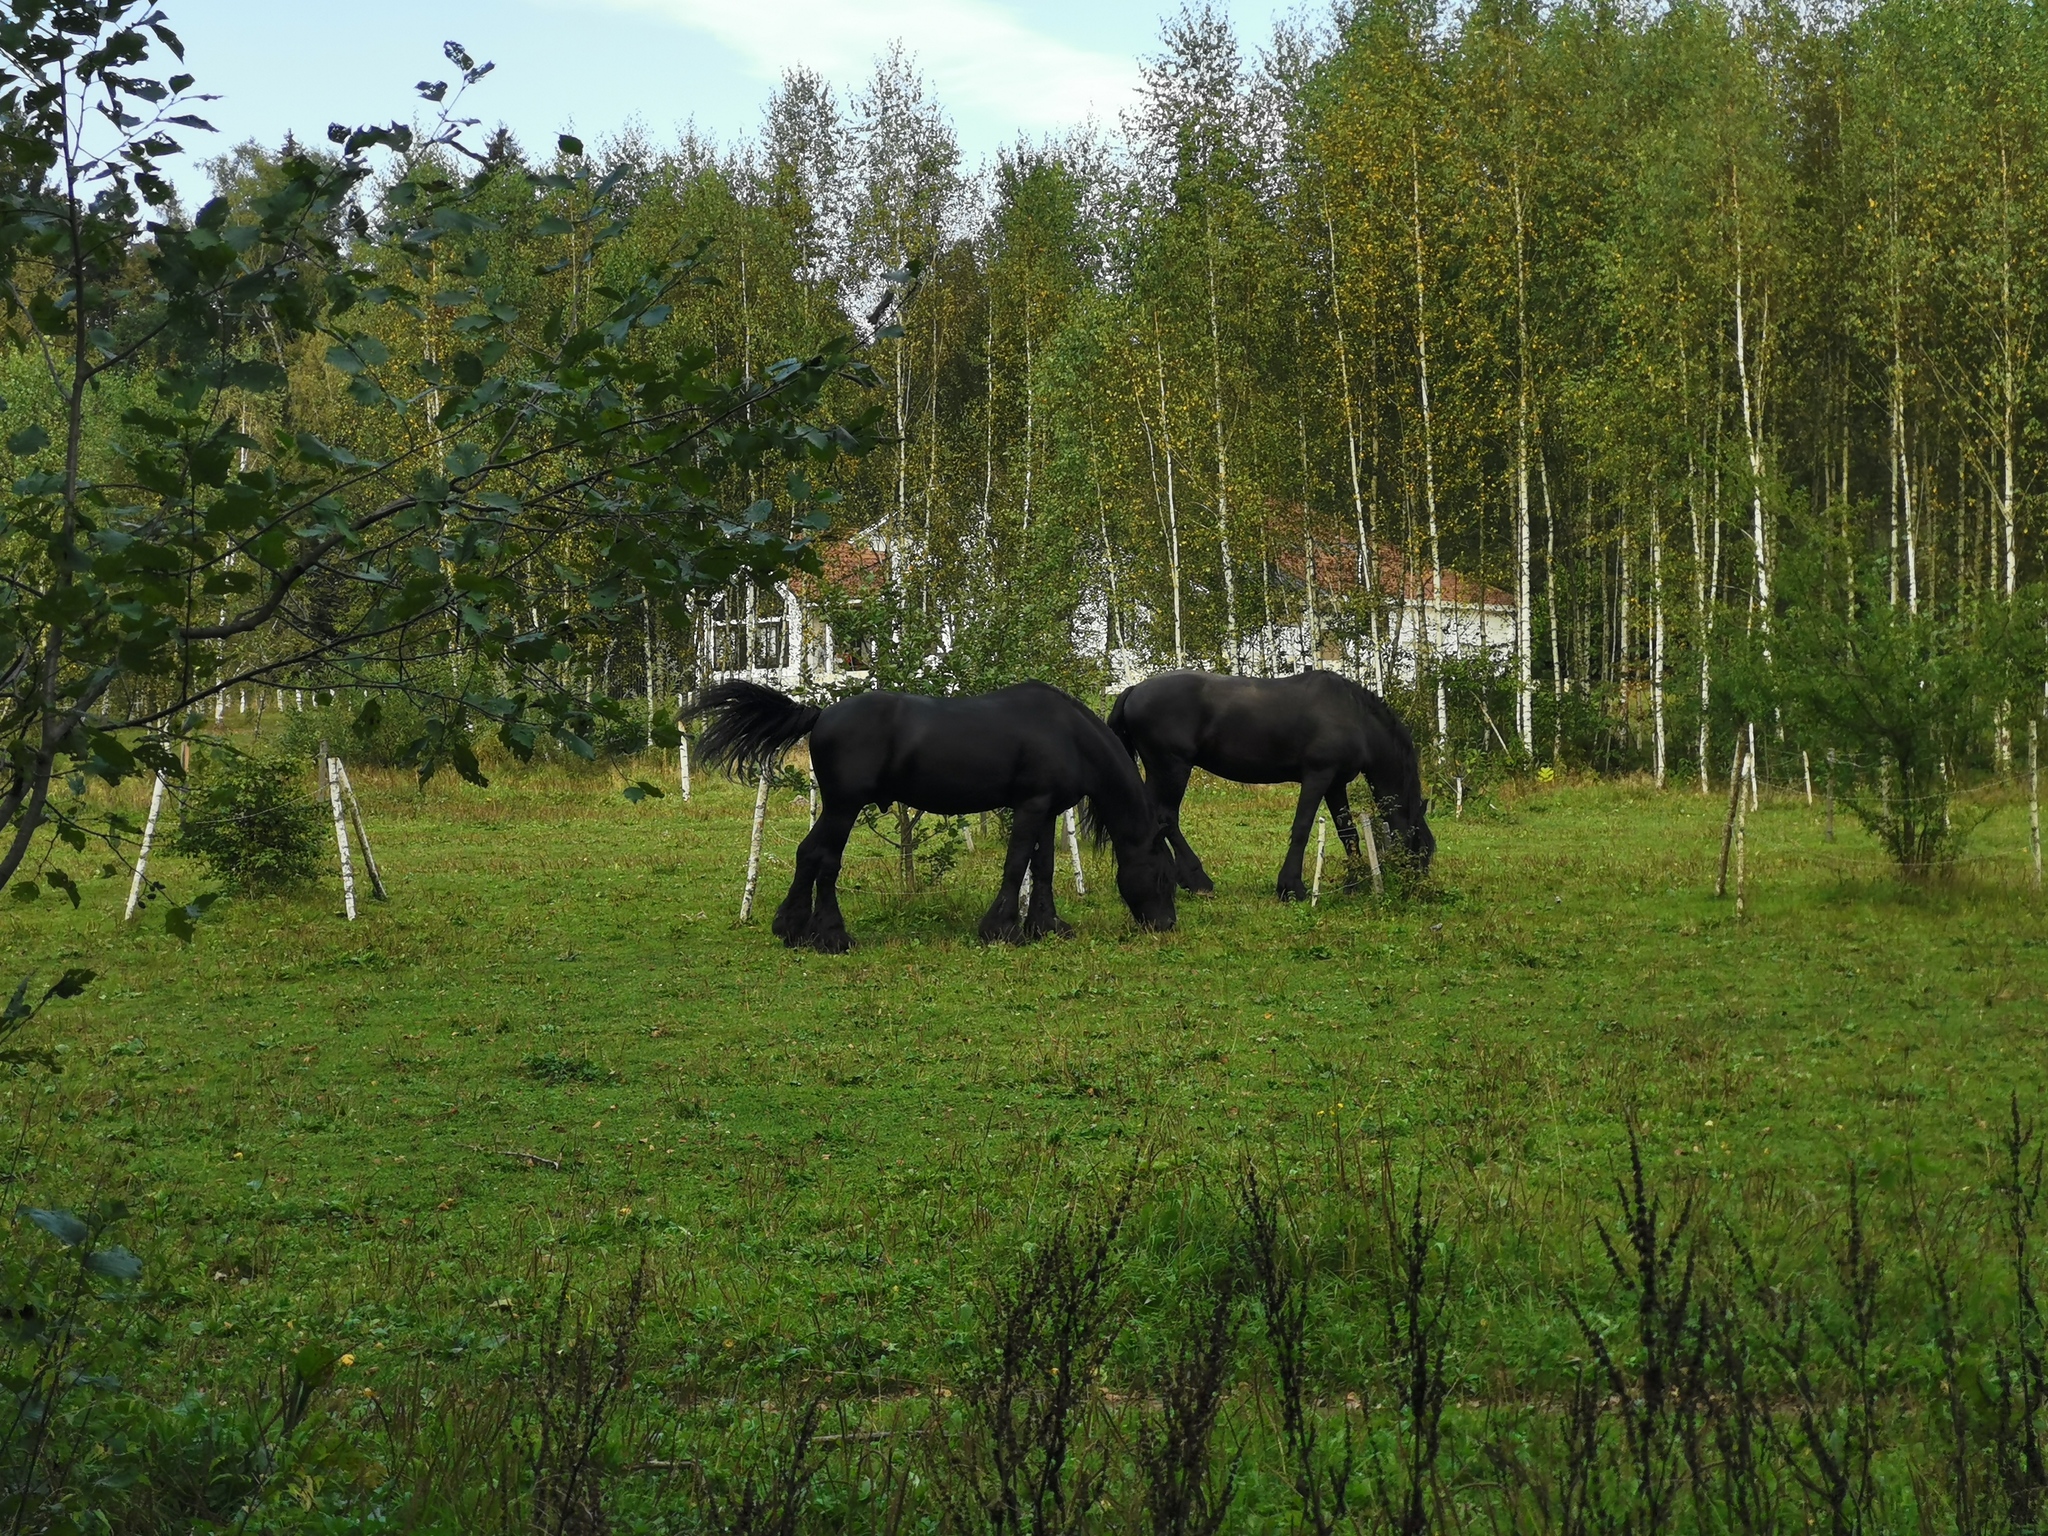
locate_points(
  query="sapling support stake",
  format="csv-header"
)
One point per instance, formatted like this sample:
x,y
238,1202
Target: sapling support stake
x,y
1074,852
1372,851
362,834
754,847
1806,771
683,754
1831,794
1741,858
348,868
1315,889
156,805
2033,795
1458,793
1734,805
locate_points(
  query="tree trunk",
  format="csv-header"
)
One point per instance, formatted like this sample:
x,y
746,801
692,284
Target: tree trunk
x,y
1525,685
1432,609
1367,585
1180,658
1230,632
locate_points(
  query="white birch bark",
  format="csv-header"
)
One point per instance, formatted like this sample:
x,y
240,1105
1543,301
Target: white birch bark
x,y
1752,419
1074,853
1433,601
1230,633
1367,584
156,805
1180,655
1657,637
348,868
1525,672
754,846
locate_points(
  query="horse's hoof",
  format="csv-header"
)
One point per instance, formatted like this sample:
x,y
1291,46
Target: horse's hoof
x,y
791,929
836,942
1003,933
1294,893
1060,928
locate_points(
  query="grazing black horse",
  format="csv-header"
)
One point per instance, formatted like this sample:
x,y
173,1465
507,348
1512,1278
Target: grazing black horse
x,y
1315,727
1031,748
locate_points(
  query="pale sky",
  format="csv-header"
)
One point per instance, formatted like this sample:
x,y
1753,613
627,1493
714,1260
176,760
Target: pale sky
x,y
1000,67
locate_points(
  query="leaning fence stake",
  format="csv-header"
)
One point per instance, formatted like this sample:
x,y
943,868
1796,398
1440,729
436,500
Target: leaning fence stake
x,y
2033,795
1806,768
754,848
683,754
1372,852
1315,889
1741,858
1074,851
156,804
348,869
362,835
1735,787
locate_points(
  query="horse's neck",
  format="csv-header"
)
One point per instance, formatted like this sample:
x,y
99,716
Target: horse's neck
x,y
1120,795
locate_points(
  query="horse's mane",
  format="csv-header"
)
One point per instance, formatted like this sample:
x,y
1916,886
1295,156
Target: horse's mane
x,y
1383,712
1092,821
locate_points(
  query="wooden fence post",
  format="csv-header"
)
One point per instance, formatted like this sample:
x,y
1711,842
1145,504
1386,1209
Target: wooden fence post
x,y
1741,858
1735,788
1372,851
683,751
348,869
362,835
2034,793
156,804
754,847
1831,794
1315,889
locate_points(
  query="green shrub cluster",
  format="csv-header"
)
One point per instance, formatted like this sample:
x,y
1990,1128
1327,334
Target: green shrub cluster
x,y
255,822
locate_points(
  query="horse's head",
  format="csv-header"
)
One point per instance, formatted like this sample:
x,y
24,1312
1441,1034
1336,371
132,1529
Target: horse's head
x,y
1408,820
1406,813
1145,878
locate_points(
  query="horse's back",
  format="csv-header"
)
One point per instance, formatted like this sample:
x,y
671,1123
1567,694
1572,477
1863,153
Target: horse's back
x,y
1255,730
956,754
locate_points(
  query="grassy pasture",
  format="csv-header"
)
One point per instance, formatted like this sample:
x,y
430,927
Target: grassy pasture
x,y
554,1047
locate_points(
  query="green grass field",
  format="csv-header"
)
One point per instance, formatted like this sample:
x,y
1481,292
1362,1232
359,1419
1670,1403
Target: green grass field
x,y
555,1045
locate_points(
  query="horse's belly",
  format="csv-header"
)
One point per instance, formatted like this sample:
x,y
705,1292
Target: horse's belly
x,y
1250,767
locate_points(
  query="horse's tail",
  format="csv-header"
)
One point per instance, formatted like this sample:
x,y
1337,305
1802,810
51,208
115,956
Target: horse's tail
x,y
1121,726
751,726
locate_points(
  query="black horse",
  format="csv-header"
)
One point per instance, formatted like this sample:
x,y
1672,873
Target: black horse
x,y
1031,748
1316,728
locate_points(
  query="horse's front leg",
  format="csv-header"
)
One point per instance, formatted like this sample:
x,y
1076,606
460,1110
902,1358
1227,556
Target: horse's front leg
x,y
1044,917
1027,826
826,842
1168,782
1313,788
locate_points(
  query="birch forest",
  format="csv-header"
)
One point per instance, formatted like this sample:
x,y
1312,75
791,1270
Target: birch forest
x,y
1614,311
1624,331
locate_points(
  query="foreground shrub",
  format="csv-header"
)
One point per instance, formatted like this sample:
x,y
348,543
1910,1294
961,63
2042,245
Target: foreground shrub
x,y
254,823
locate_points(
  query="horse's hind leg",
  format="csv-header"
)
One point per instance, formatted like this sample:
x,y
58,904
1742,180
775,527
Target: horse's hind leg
x,y
1313,788
1028,828
1167,779
1338,799
792,922
826,843
1044,916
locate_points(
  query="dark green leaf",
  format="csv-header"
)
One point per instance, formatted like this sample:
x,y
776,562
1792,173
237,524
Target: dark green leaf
x,y
61,1225
115,1263
30,439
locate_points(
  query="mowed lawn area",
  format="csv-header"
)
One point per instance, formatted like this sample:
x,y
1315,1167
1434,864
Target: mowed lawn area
x,y
556,1038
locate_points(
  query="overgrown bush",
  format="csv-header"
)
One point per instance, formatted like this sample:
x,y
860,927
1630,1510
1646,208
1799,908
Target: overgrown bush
x,y
253,821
